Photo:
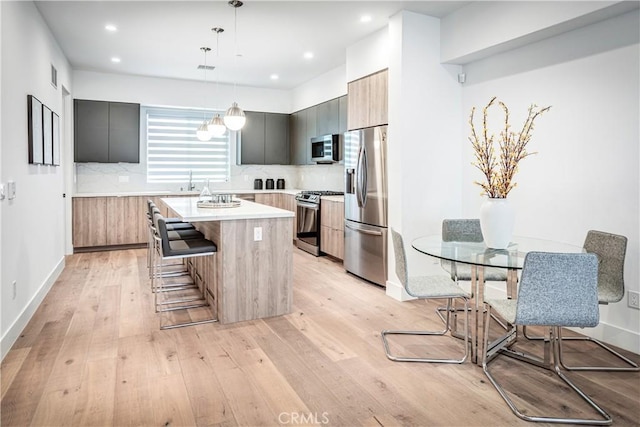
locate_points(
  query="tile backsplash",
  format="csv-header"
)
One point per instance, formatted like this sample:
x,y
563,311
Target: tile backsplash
x,y
125,177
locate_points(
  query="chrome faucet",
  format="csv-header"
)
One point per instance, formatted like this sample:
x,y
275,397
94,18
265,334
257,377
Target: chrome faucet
x,y
191,186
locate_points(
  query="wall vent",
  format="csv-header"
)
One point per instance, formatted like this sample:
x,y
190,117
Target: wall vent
x,y
54,77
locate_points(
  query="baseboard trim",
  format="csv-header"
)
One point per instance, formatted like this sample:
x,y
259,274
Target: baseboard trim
x,y
14,331
397,292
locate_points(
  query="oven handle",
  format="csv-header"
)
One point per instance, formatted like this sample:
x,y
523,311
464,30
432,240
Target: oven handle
x,y
313,206
360,230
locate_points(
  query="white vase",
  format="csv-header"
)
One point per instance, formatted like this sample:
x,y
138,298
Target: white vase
x,y
497,217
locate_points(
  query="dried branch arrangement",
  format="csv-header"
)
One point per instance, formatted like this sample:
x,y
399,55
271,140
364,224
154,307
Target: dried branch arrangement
x,y
499,172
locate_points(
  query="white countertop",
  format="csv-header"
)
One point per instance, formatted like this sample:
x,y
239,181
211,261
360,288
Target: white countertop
x,y
182,193
187,209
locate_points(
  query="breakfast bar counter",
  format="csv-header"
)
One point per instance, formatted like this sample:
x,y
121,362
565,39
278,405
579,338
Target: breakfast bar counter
x,y
250,277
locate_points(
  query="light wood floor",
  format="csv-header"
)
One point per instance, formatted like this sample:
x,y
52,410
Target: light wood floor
x,y
93,355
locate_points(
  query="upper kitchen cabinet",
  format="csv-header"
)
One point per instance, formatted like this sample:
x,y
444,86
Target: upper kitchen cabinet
x,y
367,103
323,119
264,139
328,117
106,132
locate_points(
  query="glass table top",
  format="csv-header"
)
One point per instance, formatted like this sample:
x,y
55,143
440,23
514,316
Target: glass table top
x,y
477,253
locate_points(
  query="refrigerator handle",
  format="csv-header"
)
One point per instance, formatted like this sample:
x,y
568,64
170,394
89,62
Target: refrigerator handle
x,y
361,177
360,230
349,183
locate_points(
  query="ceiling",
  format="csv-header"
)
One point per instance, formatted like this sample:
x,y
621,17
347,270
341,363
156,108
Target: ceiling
x,y
163,38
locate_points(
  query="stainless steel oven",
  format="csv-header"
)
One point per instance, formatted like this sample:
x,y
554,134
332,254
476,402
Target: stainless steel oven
x,y
308,220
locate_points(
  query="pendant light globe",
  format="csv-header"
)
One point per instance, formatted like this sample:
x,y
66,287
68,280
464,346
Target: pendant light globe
x,y
216,126
234,119
202,133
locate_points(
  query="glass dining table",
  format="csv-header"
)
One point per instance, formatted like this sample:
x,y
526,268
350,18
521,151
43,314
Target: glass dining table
x,y
479,256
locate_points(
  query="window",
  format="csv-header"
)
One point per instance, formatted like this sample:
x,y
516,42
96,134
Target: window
x,y
173,149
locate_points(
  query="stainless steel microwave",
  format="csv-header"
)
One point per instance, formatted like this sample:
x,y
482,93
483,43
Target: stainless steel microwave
x,y
325,149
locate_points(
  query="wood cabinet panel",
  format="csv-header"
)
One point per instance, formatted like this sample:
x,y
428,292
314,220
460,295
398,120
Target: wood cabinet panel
x,y
123,221
368,101
332,241
89,221
269,199
332,228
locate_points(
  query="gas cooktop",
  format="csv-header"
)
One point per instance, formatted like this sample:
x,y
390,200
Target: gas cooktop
x,y
323,192
314,196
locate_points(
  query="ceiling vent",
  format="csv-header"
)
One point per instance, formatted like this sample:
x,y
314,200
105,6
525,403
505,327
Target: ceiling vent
x,y
206,67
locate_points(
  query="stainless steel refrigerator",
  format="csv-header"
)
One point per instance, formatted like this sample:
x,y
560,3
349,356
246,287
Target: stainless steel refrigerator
x,y
365,203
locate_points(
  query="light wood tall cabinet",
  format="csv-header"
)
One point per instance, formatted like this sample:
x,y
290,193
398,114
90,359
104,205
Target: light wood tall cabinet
x,y
332,227
368,101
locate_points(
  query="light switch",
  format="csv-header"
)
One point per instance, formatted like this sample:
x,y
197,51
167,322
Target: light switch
x,y
11,190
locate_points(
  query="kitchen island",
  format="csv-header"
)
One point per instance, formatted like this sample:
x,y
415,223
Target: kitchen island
x,y
250,277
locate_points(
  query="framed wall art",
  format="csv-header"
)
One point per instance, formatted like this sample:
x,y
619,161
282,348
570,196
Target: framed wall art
x,y
56,139
47,135
36,153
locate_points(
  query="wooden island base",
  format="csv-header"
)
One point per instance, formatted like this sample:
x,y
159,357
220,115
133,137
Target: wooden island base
x,y
248,279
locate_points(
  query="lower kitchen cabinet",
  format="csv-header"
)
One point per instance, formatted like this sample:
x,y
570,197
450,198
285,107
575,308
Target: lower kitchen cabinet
x,y
279,200
109,221
332,227
89,221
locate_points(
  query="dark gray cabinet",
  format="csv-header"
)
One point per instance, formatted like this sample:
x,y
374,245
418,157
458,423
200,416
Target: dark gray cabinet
x,y
299,141
276,141
328,117
323,119
106,132
264,139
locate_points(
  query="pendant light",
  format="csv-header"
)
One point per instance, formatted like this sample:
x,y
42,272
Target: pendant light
x,y
234,119
202,133
216,125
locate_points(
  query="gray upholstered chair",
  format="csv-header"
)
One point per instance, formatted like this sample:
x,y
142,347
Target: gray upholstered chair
x,y
610,250
426,287
466,230
555,290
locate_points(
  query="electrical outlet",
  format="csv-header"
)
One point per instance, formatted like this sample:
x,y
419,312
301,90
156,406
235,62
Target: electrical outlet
x,y
14,290
257,234
633,299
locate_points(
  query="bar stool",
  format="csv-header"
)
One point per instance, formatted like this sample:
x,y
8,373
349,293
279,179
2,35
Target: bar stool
x,y
178,249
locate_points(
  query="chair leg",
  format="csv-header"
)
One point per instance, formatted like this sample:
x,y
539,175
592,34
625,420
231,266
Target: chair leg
x,y
555,338
633,367
437,333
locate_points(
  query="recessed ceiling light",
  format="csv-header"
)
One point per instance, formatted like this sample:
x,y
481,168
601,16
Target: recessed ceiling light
x,y
308,55
365,18
115,59
110,27
274,77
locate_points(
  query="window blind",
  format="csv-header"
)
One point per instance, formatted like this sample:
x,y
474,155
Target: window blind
x,y
173,149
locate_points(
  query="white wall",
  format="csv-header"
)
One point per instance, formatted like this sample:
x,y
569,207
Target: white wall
x,y
424,137
585,175
486,28
369,55
329,85
32,225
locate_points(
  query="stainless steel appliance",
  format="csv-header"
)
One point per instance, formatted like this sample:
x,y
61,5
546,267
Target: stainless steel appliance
x,y
365,204
325,149
308,219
